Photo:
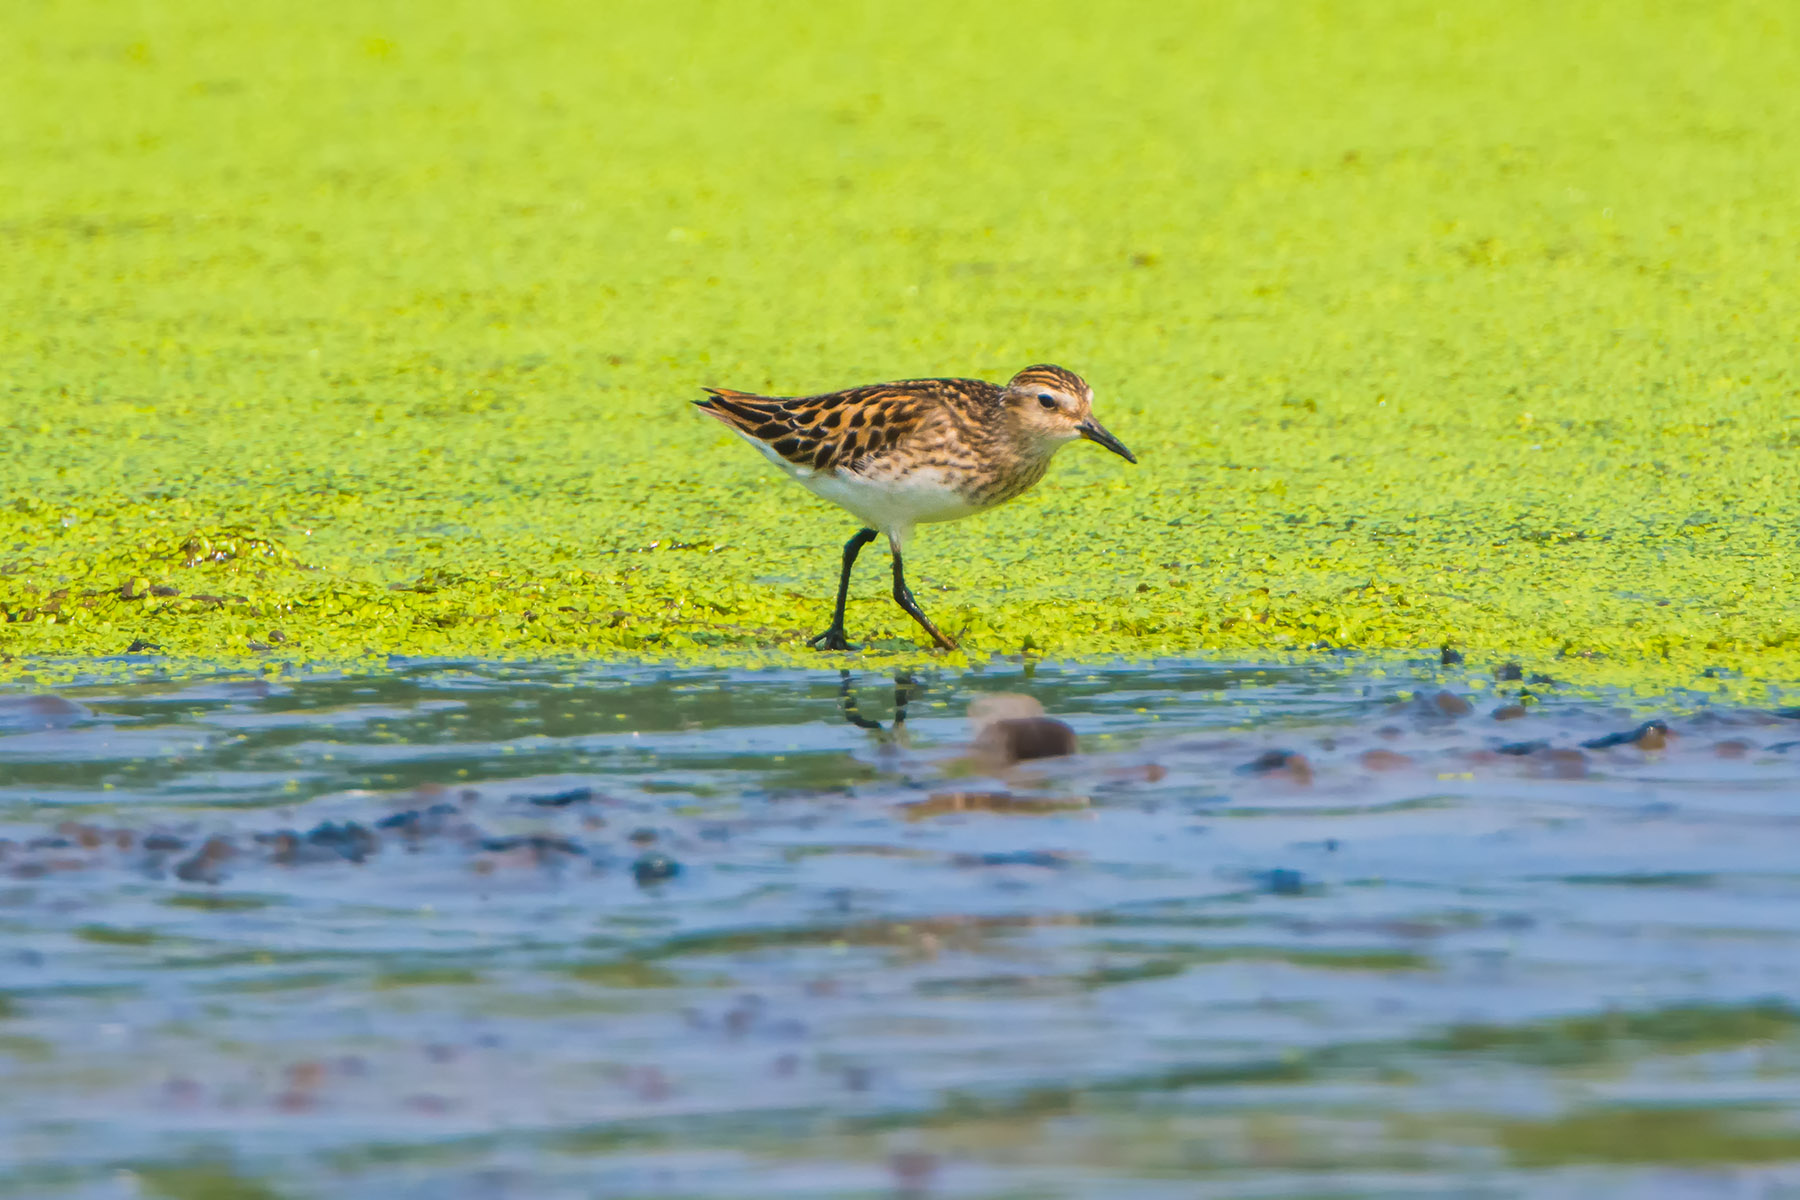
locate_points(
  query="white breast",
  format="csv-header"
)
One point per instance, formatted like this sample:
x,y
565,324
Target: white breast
x,y
893,504
917,497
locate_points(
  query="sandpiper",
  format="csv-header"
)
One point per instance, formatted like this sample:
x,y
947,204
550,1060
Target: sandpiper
x,y
901,454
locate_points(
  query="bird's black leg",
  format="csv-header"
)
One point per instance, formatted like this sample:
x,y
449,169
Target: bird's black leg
x,y
904,598
833,638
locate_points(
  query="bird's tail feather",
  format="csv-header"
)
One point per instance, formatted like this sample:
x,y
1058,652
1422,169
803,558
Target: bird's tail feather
x,y
740,410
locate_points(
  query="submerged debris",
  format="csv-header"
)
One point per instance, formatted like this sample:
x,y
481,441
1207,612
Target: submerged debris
x,y
1651,735
542,847
327,842
1282,881
1438,706
26,713
414,824
654,869
580,795
1283,762
350,840
208,863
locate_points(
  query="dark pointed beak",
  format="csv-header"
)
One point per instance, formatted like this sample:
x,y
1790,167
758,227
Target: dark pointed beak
x,y
1093,432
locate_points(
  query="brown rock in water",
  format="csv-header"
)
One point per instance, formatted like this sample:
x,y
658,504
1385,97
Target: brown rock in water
x,y
1011,728
208,863
1509,712
1450,704
1563,764
1445,705
1279,762
1731,748
1385,760
88,837
286,847
1020,739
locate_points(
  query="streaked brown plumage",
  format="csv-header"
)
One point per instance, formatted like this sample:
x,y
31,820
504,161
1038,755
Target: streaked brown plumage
x,y
918,450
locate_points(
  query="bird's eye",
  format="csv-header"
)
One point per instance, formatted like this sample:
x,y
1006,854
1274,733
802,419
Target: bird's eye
x,y
1046,399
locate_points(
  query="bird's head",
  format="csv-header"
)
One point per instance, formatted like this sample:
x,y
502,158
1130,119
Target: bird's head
x,y
1053,406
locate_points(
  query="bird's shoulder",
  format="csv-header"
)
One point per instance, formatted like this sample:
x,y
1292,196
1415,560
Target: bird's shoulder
x,y
852,427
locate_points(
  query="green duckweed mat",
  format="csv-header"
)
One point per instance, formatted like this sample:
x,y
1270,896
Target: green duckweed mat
x,y
339,330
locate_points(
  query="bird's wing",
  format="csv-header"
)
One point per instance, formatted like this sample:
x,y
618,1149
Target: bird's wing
x,y
837,430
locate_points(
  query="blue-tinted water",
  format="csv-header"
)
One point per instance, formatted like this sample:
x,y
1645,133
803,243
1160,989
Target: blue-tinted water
x,y
501,931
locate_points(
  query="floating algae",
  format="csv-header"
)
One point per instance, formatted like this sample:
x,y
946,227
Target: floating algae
x,y
343,332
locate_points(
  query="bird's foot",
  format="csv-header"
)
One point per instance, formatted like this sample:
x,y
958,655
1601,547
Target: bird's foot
x,y
833,639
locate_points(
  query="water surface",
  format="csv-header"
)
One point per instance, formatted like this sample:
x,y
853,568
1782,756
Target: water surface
x,y
464,930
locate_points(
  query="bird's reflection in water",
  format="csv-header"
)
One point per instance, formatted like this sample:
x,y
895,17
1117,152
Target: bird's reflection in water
x,y
903,693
